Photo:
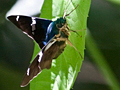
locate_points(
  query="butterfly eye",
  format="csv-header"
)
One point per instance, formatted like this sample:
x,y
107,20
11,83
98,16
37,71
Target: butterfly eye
x,y
59,25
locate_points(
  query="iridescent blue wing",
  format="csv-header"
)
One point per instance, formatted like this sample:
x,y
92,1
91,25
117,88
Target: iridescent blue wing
x,y
34,27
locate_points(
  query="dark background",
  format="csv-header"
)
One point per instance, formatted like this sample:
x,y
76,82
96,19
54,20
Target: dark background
x,y
16,48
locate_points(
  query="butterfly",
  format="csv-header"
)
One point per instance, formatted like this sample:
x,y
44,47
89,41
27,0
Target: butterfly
x,y
51,36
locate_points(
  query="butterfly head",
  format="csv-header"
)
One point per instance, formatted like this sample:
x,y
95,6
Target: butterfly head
x,y
60,22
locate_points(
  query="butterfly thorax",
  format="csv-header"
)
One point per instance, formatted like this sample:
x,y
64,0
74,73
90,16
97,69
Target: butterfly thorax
x,y
58,27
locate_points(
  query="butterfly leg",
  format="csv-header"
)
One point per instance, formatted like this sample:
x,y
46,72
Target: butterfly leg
x,y
74,47
58,35
61,39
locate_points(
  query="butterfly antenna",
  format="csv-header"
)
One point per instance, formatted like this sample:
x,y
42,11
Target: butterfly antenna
x,y
66,10
64,14
71,11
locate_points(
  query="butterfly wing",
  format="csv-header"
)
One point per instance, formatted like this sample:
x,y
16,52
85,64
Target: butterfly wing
x,y
41,31
44,59
34,27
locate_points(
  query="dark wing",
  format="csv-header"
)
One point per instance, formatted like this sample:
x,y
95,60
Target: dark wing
x,y
34,27
44,59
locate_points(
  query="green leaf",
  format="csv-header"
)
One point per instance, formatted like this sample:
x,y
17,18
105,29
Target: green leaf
x,y
46,11
65,68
